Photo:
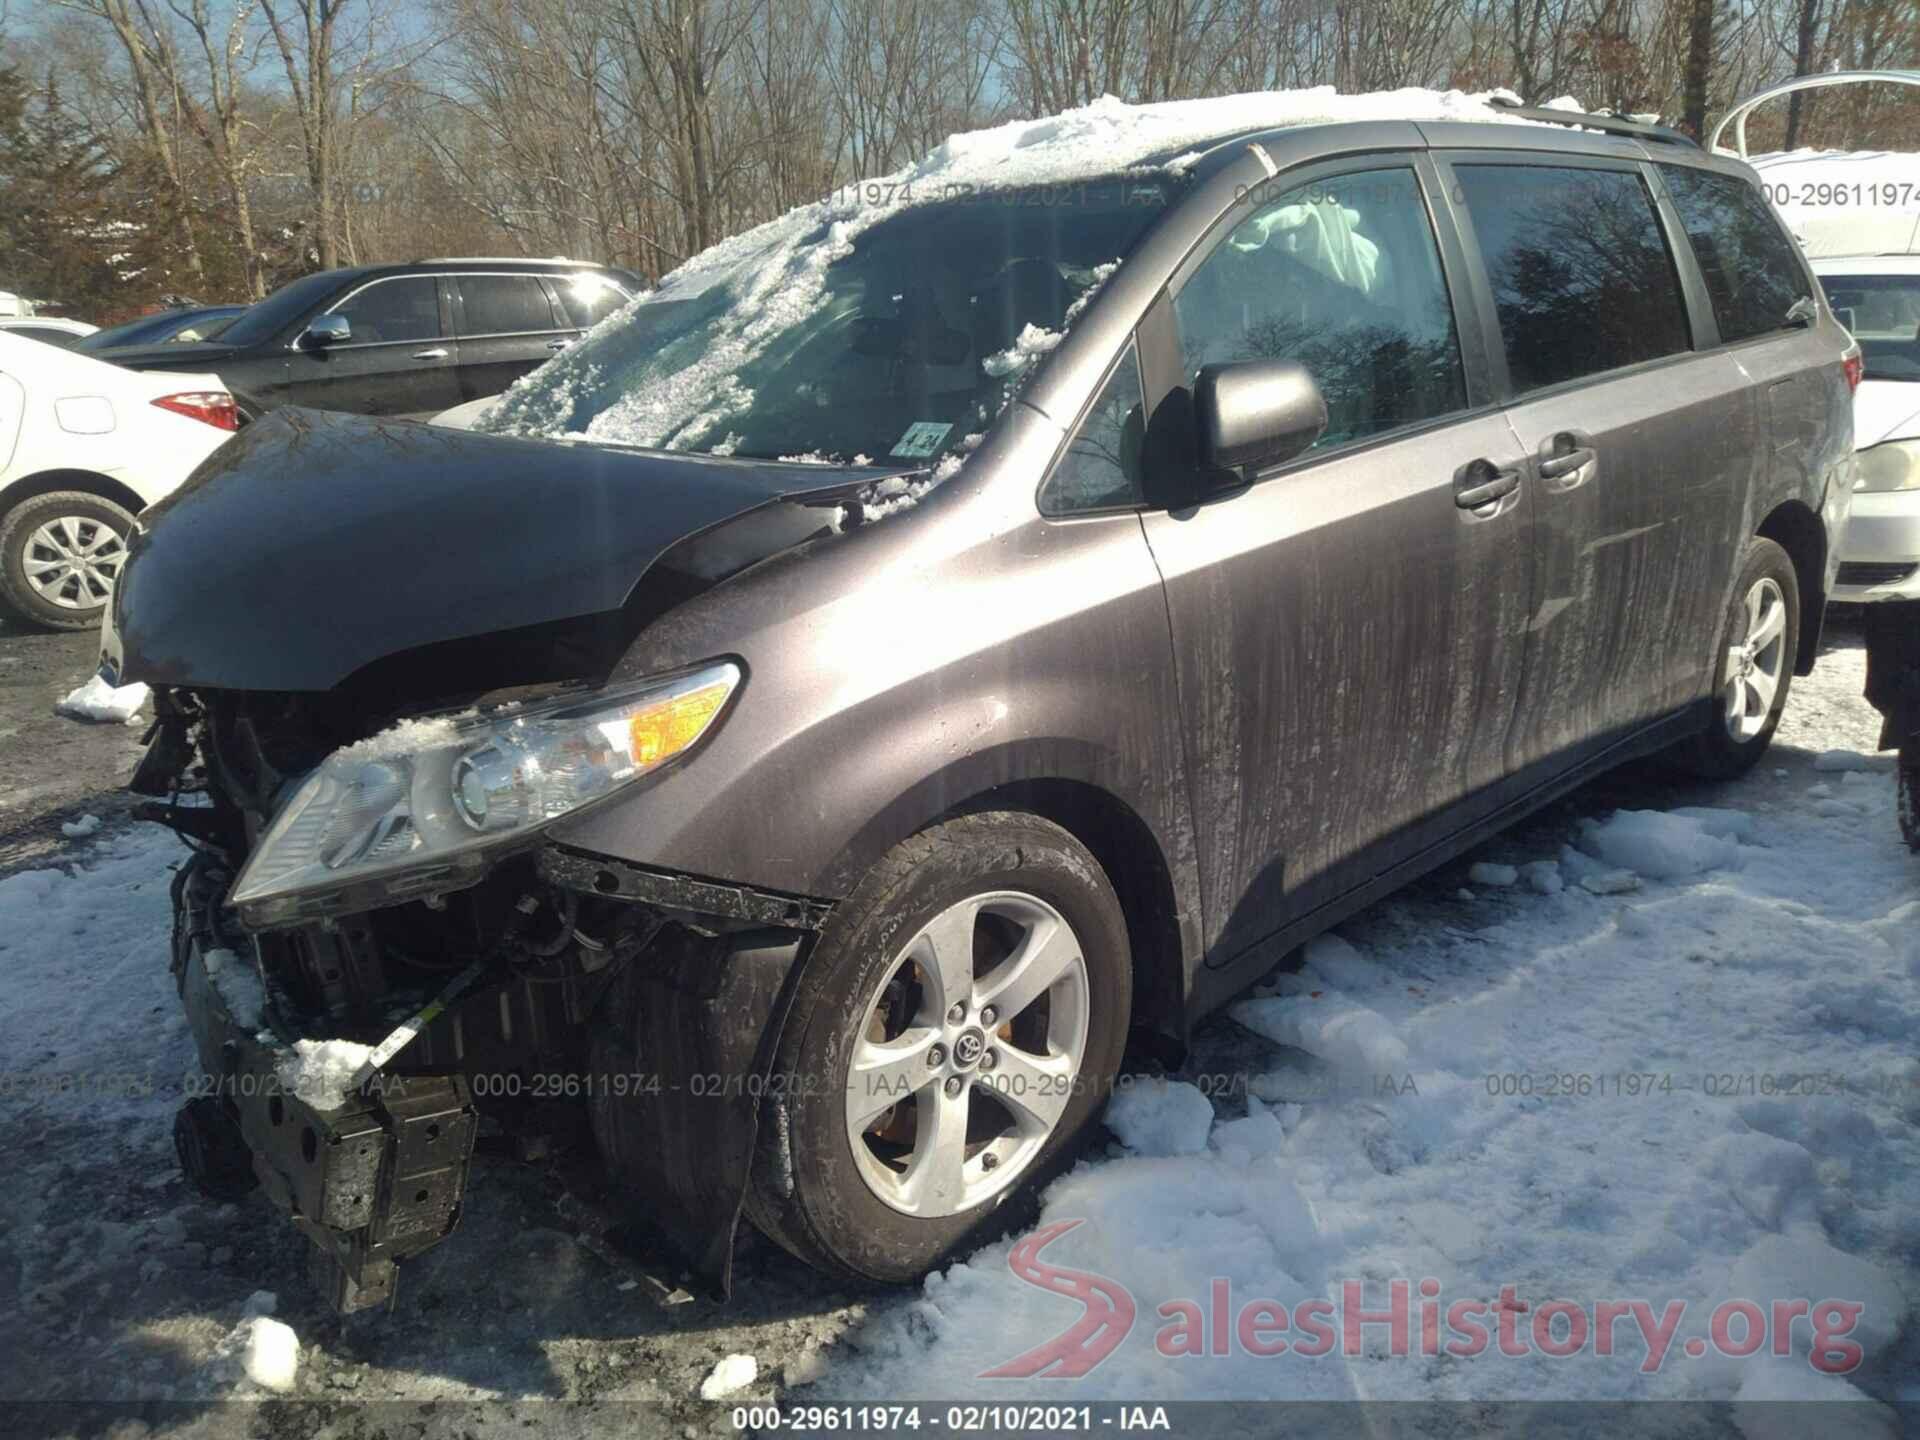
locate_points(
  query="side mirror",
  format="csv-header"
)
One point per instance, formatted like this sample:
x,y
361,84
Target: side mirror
x,y
328,330
1256,413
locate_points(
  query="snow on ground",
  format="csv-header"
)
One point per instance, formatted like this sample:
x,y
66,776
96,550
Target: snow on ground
x,y
1438,1092
1702,1090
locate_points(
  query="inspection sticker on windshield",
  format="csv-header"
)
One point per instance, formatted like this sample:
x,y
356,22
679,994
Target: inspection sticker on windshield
x,y
922,439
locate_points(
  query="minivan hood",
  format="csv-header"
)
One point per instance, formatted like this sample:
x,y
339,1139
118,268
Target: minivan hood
x,y
315,543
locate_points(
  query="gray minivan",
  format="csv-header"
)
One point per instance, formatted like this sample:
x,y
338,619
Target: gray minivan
x,y
806,729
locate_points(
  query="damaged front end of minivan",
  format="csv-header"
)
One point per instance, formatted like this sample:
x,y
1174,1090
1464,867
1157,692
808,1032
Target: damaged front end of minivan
x,y
381,949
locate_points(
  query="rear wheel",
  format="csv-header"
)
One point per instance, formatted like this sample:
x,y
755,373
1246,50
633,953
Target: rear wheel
x,y
60,555
952,1038
1761,637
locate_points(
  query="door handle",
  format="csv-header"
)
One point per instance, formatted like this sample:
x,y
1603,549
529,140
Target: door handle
x,y
434,354
558,344
1481,482
1567,460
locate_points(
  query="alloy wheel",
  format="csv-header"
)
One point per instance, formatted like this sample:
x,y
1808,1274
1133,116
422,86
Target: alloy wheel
x,y
968,1054
1755,662
72,561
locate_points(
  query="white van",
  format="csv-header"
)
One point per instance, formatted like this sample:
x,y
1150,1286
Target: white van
x,y
1857,216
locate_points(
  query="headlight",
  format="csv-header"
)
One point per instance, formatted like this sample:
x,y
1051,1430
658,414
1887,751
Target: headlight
x,y
420,806
1894,465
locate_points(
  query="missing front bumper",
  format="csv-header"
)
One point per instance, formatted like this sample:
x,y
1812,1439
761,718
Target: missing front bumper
x,y
372,1182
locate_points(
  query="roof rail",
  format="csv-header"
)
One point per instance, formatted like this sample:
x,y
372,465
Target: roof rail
x,y
1737,117
1607,120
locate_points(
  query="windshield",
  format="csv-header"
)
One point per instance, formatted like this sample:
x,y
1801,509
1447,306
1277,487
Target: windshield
x,y
280,309
1883,312
894,343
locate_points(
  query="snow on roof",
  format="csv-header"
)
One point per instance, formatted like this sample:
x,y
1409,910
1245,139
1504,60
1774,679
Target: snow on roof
x,y
1842,202
778,269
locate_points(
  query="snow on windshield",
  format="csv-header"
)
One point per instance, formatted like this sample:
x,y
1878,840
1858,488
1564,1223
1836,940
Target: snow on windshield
x,y
746,312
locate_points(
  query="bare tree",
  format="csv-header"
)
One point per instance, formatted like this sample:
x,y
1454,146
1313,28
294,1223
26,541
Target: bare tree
x,y
221,124
154,70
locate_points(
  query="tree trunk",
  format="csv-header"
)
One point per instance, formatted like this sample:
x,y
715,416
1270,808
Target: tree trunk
x,y
1699,67
1805,33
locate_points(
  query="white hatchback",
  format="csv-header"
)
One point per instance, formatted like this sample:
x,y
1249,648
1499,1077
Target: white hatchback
x,y
84,446
1878,298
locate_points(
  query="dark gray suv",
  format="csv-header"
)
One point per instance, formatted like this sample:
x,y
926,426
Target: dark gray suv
x,y
805,730
408,339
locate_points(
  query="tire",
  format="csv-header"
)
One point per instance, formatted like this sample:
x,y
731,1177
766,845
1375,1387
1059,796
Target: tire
x,y
55,529
839,1198
1733,744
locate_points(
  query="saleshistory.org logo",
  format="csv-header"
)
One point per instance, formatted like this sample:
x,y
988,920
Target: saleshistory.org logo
x,y
1224,1325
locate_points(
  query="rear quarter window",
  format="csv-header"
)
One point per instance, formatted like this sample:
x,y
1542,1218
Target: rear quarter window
x,y
1582,278
1753,275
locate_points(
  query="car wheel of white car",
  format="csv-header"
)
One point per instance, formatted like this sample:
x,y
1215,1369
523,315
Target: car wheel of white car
x,y
1762,637
952,1037
60,555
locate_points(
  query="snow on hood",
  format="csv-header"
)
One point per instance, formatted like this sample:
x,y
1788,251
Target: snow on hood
x,y
776,271
1840,202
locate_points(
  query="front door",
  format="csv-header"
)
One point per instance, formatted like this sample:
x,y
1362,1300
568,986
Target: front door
x,y
1349,630
398,360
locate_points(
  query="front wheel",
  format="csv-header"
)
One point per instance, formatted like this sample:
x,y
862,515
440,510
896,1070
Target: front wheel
x,y
60,555
953,1036
1761,637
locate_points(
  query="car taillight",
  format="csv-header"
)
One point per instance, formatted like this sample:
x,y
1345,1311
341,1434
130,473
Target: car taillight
x,y
211,407
1854,367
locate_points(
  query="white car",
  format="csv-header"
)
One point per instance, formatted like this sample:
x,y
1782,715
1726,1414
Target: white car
x,y
48,329
1877,297
83,446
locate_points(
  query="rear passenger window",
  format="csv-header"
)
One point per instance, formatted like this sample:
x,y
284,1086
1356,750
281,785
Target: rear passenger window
x,y
504,304
1581,275
588,299
1752,274
1342,275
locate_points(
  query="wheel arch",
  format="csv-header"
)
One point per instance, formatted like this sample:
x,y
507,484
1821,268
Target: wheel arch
x,y
47,482
1131,854
1798,531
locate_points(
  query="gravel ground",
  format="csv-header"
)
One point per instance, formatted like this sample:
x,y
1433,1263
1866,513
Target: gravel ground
x,y
126,1280
53,770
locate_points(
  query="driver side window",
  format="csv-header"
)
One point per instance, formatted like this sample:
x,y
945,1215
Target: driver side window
x,y
1343,275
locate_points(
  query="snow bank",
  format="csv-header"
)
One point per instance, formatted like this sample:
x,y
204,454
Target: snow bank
x,y
1160,1117
732,1375
1605,1104
79,829
1659,844
97,700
